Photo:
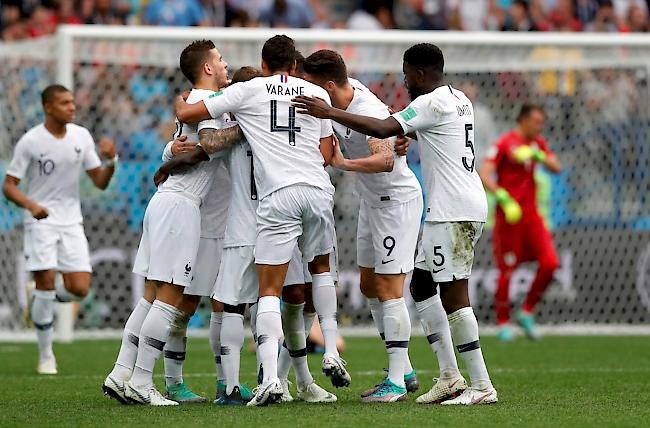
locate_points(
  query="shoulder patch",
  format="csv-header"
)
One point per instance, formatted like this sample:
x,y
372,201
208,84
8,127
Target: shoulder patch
x,y
408,114
216,94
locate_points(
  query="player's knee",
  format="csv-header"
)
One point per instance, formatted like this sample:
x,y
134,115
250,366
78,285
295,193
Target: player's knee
x,y
320,264
422,285
234,309
294,294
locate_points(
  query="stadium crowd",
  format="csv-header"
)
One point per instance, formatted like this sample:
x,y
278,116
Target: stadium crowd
x,y
23,19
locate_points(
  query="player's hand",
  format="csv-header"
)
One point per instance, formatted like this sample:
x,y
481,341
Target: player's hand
x,y
338,160
402,145
511,208
159,178
312,106
38,212
181,145
525,153
185,95
107,148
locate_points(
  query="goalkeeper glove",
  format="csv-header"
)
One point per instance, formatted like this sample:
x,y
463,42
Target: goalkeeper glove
x,y
524,153
510,207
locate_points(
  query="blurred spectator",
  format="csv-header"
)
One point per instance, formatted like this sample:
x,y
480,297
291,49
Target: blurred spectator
x,y
65,13
41,22
606,20
186,13
422,14
637,19
518,18
215,12
562,18
470,15
104,12
287,14
622,7
373,15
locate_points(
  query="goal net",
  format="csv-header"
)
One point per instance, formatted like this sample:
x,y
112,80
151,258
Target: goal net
x,y
594,89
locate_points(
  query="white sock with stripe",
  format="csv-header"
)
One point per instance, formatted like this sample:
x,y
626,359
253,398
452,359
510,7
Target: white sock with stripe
x,y
464,330
436,328
397,326
130,339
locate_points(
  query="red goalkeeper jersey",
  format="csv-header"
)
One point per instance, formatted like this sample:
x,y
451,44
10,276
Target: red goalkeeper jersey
x,y
517,178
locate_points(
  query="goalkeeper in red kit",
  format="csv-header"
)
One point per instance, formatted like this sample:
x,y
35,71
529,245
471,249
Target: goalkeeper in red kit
x,y
520,234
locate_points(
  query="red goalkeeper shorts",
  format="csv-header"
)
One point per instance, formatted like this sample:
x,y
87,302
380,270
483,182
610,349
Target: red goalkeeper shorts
x,y
528,240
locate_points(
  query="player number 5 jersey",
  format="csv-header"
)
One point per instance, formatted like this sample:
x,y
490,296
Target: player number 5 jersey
x,y
443,121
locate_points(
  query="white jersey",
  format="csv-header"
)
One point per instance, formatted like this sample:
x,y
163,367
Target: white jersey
x,y
208,181
285,144
444,123
399,185
241,226
51,166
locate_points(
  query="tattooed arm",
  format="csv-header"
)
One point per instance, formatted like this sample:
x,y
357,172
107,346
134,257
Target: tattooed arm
x,y
216,140
381,159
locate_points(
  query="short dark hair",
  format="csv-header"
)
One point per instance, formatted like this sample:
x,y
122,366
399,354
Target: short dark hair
x,y
48,93
300,63
527,109
279,53
193,57
326,64
245,74
425,55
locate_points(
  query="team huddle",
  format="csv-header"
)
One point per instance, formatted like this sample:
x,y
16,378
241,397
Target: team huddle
x,y
243,215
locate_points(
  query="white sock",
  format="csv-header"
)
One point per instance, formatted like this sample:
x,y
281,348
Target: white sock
x,y
62,293
153,335
324,295
130,339
269,332
253,313
398,332
232,341
309,318
215,342
293,325
436,328
284,359
174,352
464,330
377,312
43,319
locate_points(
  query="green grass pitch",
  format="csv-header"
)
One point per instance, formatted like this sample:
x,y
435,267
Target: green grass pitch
x,y
557,382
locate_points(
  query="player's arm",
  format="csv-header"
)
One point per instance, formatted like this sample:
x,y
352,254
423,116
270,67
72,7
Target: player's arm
x,y
552,163
179,163
379,128
190,113
101,176
327,149
13,193
215,140
510,207
381,159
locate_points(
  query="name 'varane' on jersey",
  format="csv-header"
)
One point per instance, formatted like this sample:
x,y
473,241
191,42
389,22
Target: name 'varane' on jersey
x,y
443,121
199,181
285,144
52,166
398,185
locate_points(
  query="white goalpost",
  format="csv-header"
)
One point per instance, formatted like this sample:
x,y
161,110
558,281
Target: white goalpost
x,y
594,87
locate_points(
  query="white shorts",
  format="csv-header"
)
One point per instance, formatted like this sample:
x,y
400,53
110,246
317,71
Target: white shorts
x,y
295,214
206,268
171,231
298,272
447,249
387,236
237,281
62,248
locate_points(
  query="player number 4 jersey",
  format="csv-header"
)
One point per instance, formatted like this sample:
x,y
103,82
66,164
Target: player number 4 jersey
x,y
286,145
443,121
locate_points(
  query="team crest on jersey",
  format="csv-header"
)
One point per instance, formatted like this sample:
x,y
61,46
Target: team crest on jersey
x,y
78,152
